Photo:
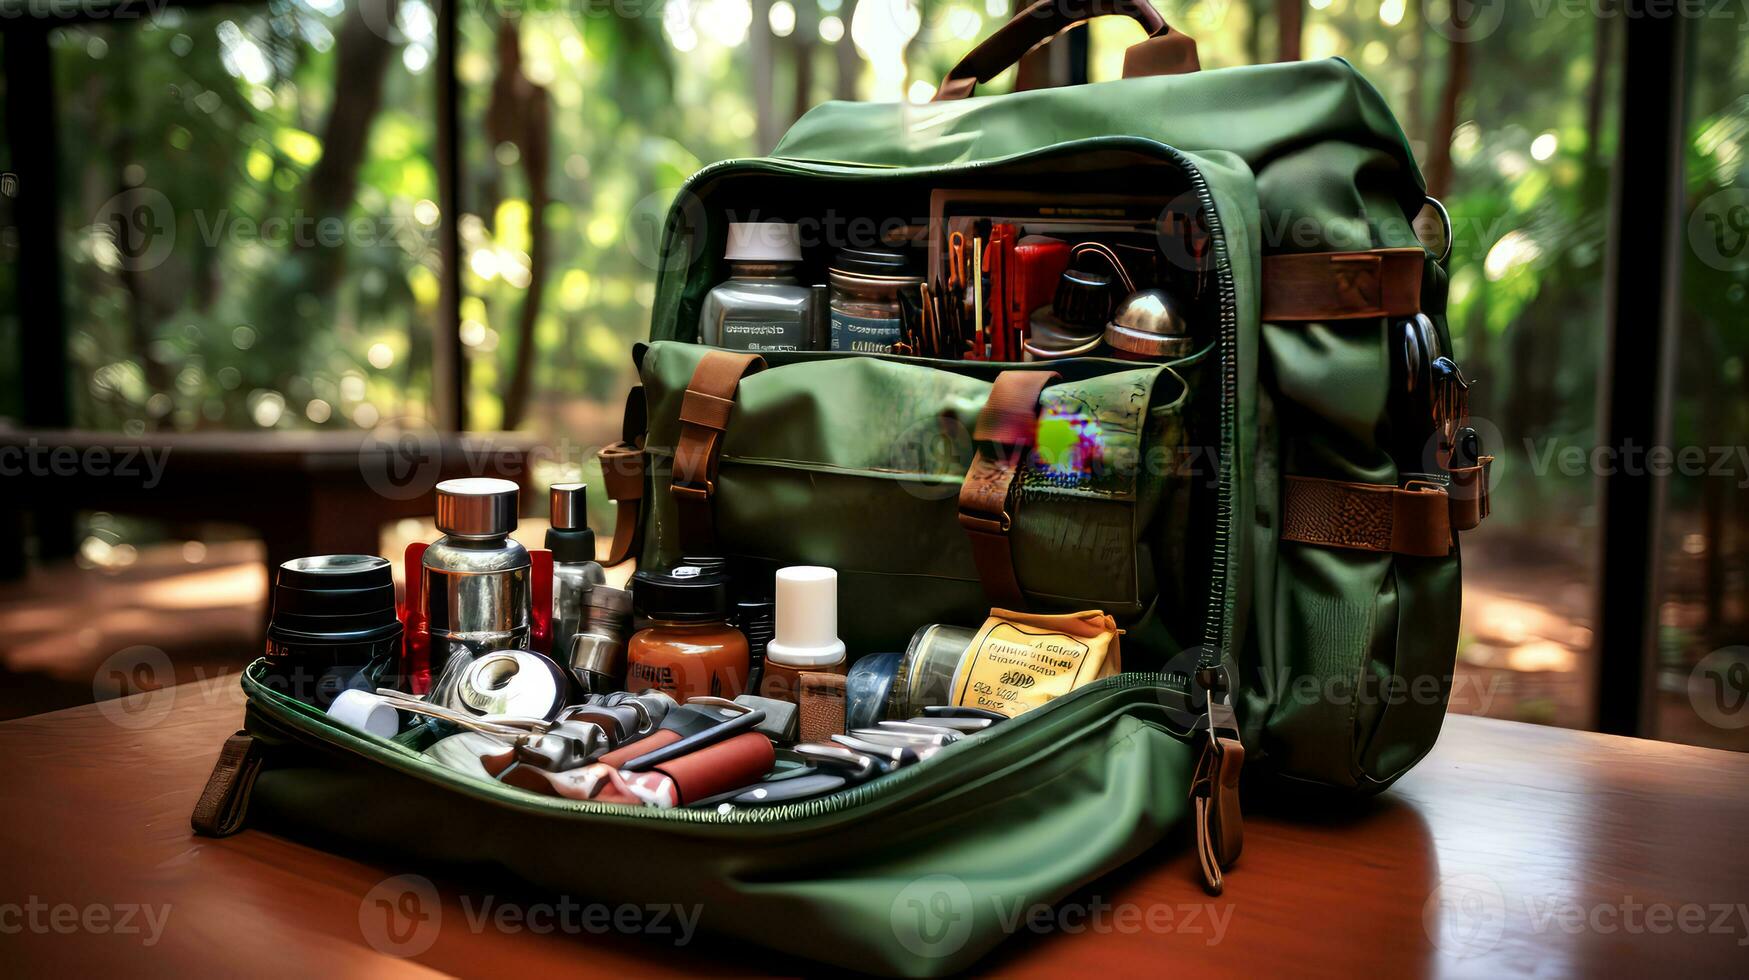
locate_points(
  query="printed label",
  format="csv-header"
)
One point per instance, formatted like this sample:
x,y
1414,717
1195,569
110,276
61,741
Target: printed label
x,y
865,334
1012,667
761,335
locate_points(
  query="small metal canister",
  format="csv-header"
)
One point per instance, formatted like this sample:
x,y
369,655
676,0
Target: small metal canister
x,y
475,578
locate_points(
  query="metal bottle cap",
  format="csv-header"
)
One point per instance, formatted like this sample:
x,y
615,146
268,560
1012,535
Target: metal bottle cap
x,y
1150,325
570,506
477,507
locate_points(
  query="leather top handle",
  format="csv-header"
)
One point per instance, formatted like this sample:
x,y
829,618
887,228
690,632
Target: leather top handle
x,y
1165,52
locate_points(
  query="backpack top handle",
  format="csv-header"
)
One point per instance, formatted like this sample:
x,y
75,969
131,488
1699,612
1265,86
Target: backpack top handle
x,y
1164,52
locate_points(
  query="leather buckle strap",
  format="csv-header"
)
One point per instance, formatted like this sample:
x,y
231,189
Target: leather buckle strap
x,y
1006,430
1311,286
1416,519
705,409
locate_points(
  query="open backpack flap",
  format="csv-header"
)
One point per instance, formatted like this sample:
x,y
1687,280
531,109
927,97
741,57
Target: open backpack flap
x,y
1273,530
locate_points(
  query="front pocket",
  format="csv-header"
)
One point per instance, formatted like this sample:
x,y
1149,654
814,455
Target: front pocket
x,y
856,461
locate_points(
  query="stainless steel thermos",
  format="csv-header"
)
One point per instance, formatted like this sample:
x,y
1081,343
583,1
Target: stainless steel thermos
x,y
475,578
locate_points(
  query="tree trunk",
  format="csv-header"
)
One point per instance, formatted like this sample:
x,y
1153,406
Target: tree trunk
x,y
1254,32
1597,91
848,61
759,57
521,114
1289,21
1457,78
802,46
361,56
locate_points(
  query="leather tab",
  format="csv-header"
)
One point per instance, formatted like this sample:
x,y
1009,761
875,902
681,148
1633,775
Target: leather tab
x,y
1006,430
1313,286
224,801
705,410
1220,824
1413,520
622,476
1170,54
1469,495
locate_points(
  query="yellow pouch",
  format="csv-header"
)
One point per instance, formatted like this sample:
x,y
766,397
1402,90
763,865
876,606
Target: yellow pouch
x,y
1018,661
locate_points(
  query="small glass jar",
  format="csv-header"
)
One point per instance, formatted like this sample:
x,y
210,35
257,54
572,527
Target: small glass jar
x,y
688,650
865,299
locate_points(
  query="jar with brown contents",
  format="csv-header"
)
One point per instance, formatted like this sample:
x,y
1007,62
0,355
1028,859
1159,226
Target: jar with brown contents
x,y
688,650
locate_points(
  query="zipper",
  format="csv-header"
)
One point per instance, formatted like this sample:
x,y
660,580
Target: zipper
x,y
276,714
1215,631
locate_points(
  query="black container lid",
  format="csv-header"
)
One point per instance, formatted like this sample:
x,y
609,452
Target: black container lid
x,y
1085,298
685,594
332,630
325,573
872,262
333,602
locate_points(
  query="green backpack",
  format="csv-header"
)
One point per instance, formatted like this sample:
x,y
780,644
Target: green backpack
x,y
1290,594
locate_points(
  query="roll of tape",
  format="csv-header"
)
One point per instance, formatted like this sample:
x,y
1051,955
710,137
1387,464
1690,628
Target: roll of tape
x,y
366,712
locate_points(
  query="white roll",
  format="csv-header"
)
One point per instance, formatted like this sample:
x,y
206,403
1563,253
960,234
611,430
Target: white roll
x,y
807,618
366,712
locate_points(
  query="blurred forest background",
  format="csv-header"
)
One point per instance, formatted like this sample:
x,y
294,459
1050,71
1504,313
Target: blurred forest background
x,y
581,118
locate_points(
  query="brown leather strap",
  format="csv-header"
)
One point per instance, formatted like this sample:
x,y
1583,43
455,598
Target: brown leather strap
x,y
1412,520
1384,282
224,801
622,476
1470,501
1164,52
1220,825
704,416
1006,431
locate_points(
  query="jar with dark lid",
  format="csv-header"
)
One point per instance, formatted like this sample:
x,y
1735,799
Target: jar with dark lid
x,y
688,650
866,284
333,625
1074,324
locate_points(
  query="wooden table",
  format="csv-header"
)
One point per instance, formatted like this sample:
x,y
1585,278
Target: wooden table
x,y
1511,850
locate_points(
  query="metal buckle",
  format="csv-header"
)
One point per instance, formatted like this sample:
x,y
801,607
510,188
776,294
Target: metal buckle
x,y
689,490
985,524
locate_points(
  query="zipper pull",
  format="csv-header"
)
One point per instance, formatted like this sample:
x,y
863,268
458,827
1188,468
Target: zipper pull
x,y
1214,788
